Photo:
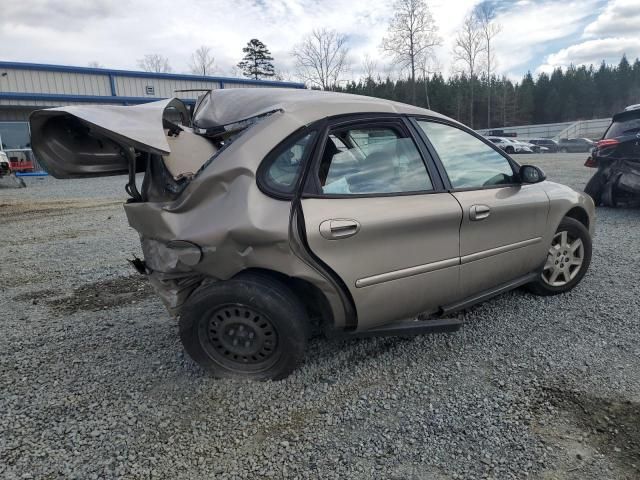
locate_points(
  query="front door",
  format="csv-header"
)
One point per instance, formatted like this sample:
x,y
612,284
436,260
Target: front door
x,y
378,216
503,220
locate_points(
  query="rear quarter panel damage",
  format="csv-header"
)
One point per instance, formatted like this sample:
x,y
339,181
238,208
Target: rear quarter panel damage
x,y
236,226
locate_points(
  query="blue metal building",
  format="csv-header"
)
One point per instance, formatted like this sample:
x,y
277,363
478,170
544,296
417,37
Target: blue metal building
x,y
25,87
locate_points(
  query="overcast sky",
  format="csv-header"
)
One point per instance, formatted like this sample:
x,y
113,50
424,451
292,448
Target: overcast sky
x,y
537,35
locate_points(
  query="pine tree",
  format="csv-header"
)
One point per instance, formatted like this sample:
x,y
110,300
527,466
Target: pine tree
x,y
257,60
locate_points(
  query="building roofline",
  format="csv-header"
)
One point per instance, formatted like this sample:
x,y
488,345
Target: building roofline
x,y
134,73
56,97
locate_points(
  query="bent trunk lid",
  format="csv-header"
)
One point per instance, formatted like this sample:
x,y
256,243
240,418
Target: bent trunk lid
x,y
88,140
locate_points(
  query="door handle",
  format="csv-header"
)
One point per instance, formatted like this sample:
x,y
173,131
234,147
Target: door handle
x,y
339,228
479,212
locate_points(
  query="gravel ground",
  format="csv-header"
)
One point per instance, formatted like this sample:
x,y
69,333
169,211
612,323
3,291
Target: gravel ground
x,y
94,382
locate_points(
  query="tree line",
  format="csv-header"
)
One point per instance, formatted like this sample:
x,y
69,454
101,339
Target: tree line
x,y
577,93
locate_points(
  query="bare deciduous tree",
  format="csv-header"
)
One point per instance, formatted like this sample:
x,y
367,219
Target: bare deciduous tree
x,y
202,62
486,14
428,66
154,62
412,34
369,68
284,76
322,58
467,49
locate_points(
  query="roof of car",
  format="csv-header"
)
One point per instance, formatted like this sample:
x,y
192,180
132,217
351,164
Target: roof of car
x,y
226,106
626,114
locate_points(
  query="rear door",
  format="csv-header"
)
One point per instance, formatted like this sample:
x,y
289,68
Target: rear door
x,y
503,220
376,213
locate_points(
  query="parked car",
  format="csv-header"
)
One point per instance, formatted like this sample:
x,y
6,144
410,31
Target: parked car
x,y
533,147
271,215
575,145
548,143
509,145
617,158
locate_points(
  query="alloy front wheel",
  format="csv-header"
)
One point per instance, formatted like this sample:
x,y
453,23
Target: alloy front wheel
x,y
568,259
564,260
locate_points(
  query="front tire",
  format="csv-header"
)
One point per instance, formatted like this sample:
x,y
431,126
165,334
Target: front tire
x,y
251,327
568,259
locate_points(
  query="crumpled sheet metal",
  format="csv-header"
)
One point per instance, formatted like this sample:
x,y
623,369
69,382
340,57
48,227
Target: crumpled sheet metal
x,y
234,223
223,107
139,126
625,175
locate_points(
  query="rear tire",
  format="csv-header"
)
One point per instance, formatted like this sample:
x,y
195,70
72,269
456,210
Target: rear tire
x,y
252,327
563,150
567,261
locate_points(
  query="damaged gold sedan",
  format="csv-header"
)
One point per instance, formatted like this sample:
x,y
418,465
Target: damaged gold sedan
x,y
268,215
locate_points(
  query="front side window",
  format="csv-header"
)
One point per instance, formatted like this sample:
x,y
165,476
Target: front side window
x,y
284,166
375,160
469,162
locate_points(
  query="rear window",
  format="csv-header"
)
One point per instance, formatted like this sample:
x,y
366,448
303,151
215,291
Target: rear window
x,y
626,124
282,168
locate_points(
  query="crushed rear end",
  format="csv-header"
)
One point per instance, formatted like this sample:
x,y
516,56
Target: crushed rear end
x,y
617,158
161,140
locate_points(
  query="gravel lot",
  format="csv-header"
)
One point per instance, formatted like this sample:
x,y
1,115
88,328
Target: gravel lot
x,y
94,382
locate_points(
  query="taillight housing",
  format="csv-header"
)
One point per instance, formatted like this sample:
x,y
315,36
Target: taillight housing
x,y
607,142
591,162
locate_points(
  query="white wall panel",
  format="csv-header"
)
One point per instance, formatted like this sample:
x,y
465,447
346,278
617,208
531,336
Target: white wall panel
x,y
60,83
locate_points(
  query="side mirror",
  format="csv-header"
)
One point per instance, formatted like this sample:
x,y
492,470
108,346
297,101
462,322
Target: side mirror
x,y
531,174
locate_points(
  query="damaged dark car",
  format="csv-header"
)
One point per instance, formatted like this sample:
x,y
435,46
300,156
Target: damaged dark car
x,y
617,157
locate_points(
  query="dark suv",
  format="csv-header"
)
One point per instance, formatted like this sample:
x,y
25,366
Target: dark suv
x,y
617,158
551,145
575,145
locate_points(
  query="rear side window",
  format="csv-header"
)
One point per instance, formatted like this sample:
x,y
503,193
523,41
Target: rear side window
x,y
370,161
282,167
624,125
469,162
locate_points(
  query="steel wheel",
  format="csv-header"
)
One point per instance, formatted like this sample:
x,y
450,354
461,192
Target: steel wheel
x,y
564,260
239,338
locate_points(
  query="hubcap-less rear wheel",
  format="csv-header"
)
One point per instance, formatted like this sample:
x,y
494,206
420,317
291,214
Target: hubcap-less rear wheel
x,y
564,260
240,338
251,326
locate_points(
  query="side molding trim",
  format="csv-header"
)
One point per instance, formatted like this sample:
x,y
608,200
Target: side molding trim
x,y
439,265
407,272
498,250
